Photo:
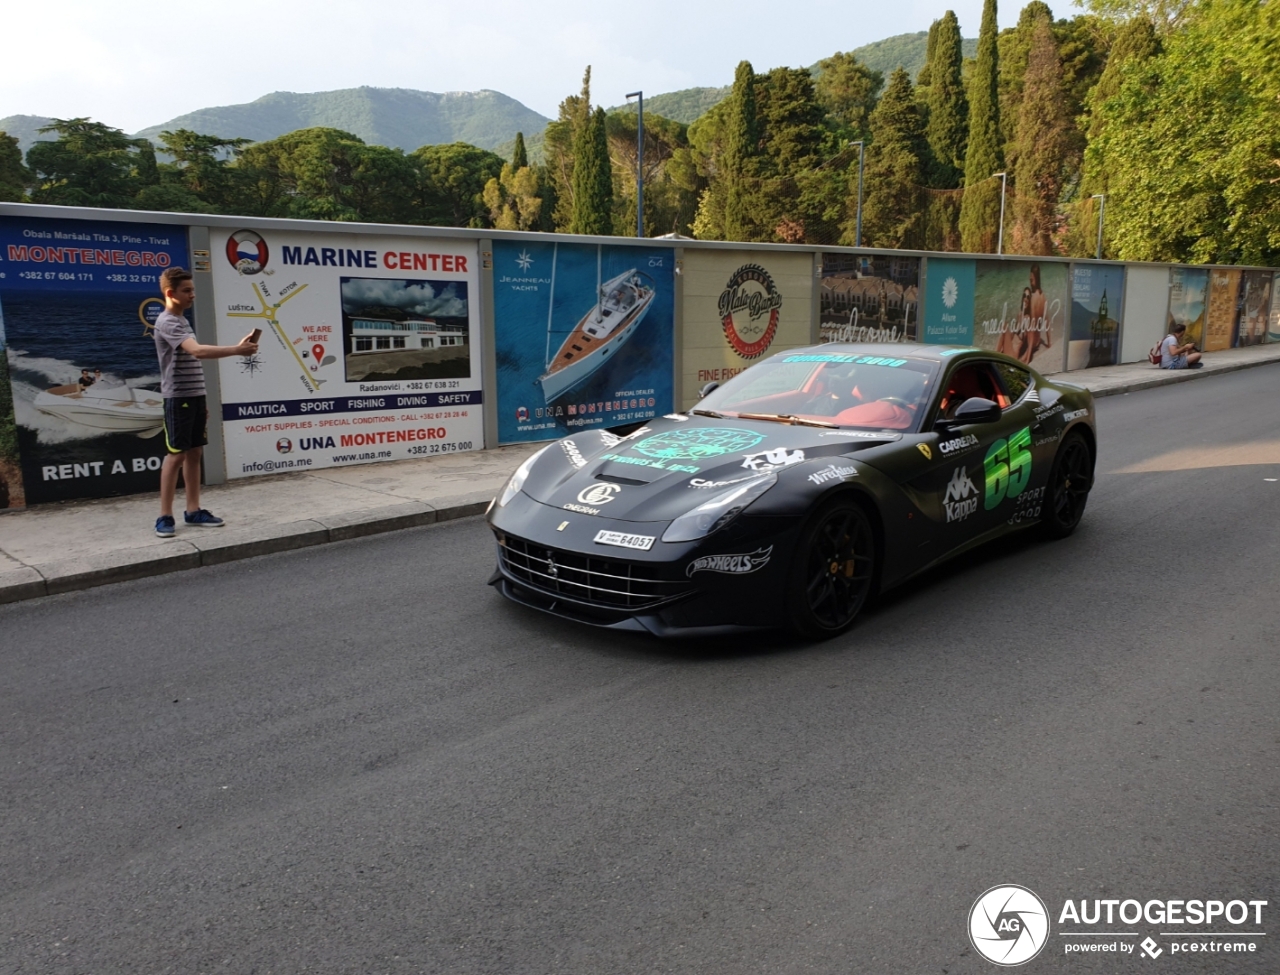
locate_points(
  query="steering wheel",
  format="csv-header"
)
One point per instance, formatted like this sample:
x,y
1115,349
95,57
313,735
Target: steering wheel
x,y
896,401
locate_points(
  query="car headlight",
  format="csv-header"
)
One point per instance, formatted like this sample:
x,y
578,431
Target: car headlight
x,y
719,511
518,478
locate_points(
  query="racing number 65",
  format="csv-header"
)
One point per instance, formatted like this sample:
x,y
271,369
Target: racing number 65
x,y
1007,467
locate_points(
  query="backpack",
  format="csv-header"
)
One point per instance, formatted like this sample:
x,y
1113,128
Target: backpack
x,y
1155,355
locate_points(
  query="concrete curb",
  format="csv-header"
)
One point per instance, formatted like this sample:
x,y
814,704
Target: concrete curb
x,y
218,547
1168,377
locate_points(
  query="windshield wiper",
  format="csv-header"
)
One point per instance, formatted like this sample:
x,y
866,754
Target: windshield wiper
x,y
711,413
795,421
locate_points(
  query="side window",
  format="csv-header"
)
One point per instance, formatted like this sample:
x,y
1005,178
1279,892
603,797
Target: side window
x,y
967,381
1016,381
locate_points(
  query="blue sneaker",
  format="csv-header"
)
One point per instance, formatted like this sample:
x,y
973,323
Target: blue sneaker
x,y
165,526
201,519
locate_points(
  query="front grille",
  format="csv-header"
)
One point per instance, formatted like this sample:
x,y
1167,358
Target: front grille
x,y
586,579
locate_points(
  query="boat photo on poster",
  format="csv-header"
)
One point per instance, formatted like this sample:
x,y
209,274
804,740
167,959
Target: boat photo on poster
x,y
79,299
584,336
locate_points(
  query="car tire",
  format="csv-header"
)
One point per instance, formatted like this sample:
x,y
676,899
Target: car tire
x,y
1070,481
832,571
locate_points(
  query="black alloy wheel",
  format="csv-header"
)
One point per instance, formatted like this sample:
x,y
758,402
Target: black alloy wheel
x,y
832,571
1069,485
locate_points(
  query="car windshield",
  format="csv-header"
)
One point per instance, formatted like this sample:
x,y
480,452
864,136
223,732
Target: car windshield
x,y
866,391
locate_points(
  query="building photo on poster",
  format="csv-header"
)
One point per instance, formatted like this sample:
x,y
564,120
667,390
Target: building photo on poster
x,y
869,298
1020,309
368,352
583,336
78,300
1097,296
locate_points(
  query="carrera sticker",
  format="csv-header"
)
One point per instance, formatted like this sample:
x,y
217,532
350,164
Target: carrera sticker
x,y
772,460
703,483
572,452
598,493
734,565
697,443
1007,468
622,540
833,473
1074,415
958,445
674,416
961,499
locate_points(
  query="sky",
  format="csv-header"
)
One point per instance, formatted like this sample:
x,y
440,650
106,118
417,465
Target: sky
x,y
135,63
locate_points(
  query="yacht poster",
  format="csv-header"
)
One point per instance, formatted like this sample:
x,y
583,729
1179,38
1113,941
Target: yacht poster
x,y
368,349
78,299
584,336
1021,308
869,298
1097,296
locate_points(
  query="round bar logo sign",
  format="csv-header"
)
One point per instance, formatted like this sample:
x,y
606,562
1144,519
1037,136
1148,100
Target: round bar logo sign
x,y
749,296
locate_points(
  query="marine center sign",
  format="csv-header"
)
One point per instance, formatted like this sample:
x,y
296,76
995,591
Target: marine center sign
x,y
740,307
369,349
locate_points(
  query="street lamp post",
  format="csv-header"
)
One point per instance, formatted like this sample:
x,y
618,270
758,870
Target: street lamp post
x,y
857,233
1004,180
639,161
1102,209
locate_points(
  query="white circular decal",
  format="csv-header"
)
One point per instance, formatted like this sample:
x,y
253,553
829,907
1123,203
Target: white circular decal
x,y
1008,925
598,493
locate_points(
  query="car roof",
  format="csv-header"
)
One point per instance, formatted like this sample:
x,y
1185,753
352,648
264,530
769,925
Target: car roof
x,y
912,350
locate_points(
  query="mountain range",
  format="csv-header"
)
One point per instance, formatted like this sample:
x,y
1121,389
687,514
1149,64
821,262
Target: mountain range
x,y
405,118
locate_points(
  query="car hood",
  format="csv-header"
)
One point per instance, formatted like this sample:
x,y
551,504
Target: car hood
x,y
674,464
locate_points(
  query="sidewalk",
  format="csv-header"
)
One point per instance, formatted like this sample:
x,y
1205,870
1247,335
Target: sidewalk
x,y
77,545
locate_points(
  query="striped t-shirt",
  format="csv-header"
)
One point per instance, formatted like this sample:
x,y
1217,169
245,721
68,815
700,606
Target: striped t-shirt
x,y
180,372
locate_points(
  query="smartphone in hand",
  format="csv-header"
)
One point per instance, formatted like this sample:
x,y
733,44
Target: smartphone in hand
x,y
257,334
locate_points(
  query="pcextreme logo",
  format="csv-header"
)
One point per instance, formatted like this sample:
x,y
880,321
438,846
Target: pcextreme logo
x,y
1008,925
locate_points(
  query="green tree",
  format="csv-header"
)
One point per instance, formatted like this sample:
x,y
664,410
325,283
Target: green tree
x,y
14,177
741,143
946,104
1014,47
454,177
670,200
202,165
846,89
560,140
592,179
514,198
519,156
89,164
1042,144
895,168
980,210
1166,15
925,78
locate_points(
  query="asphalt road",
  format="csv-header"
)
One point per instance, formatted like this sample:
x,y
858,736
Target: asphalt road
x,y
358,758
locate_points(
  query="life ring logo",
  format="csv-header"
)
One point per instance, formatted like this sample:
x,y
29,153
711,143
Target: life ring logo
x,y
247,252
1008,925
284,445
747,299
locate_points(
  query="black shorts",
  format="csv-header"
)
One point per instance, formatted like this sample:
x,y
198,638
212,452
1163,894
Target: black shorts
x,y
186,423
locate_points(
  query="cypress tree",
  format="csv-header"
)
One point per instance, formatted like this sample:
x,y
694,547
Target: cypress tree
x,y
1042,140
740,145
980,211
948,109
519,157
592,179
1015,49
891,214
925,78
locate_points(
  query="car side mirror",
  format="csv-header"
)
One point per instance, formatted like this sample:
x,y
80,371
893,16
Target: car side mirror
x,y
973,410
708,389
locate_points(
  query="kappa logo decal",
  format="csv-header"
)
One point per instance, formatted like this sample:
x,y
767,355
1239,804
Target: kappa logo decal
x,y
734,565
961,499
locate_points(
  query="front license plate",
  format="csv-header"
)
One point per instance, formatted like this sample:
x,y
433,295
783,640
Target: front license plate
x,y
623,540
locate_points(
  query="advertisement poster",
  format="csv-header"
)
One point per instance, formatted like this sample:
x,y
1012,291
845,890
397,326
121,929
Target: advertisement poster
x,y
368,351
1097,296
11,491
869,298
1020,309
741,307
1252,307
78,299
1220,310
584,336
1187,288
948,308
1273,319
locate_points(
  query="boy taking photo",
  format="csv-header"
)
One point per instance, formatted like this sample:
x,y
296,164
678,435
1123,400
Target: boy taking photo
x,y
182,386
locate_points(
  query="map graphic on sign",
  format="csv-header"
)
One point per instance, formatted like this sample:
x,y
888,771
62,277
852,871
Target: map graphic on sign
x,y
268,314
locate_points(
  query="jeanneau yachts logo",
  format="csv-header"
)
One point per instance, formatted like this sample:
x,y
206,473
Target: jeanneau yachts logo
x,y
1008,925
749,296
524,260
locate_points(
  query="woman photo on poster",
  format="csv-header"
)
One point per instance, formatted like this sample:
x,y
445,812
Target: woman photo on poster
x,y
1037,335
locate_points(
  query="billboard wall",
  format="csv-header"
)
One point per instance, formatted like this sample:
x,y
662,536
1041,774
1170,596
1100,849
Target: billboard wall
x,y
740,307
1097,297
368,353
78,299
1273,318
1252,307
1221,310
869,298
1020,309
584,336
12,494
948,306
1187,287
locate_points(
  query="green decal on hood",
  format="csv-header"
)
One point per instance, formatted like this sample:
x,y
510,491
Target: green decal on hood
x,y
697,443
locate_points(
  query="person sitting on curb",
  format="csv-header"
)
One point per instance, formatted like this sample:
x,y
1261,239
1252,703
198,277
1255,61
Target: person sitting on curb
x,y
1174,355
